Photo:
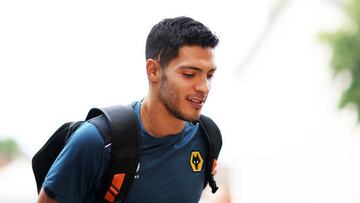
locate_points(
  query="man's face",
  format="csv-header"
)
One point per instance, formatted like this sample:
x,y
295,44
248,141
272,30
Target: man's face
x,y
185,83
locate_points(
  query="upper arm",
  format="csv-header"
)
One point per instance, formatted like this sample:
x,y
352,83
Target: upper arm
x,y
76,171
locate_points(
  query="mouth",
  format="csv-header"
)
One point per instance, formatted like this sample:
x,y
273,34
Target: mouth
x,y
196,103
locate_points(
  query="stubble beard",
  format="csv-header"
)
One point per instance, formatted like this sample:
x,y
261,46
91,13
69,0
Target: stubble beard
x,y
168,94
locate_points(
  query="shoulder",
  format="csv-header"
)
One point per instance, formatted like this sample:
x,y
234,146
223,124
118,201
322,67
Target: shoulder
x,y
78,168
87,135
85,143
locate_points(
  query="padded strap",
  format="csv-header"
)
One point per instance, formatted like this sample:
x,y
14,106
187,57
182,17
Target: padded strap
x,y
213,131
124,156
213,135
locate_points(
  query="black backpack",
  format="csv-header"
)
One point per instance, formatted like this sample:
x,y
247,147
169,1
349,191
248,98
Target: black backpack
x,y
117,125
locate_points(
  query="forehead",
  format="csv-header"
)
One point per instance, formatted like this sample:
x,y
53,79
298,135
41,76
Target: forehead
x,y
194,56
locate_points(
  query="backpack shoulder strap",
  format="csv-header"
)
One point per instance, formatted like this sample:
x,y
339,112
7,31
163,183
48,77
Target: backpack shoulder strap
x,y
124,136
213,135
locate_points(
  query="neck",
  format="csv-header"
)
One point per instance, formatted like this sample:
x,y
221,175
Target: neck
x,y
157,120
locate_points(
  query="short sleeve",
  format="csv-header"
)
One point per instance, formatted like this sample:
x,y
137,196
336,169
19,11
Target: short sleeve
x,y
78,168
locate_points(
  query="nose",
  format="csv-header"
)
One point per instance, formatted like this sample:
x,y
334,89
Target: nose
x,y
203,85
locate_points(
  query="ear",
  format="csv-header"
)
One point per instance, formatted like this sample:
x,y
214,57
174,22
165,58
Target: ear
x,y
153,70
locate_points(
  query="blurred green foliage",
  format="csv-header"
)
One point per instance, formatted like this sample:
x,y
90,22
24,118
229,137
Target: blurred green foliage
x,y
9,148
345,44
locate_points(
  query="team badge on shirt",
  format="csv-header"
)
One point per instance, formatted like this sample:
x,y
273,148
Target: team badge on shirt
x,y
196,161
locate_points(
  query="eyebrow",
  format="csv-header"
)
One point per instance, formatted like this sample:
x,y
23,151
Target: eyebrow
x,y
196,68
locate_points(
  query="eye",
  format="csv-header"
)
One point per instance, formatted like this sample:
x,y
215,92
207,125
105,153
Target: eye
x,y
210,76
188,75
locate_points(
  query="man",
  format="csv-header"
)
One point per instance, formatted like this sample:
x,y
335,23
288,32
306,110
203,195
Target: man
x,y
180,66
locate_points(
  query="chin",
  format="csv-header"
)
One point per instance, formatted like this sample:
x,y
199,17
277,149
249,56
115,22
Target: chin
x,y
187,117
193,118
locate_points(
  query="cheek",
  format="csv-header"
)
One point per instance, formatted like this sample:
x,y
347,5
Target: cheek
x,y
184,89
186,85
179,85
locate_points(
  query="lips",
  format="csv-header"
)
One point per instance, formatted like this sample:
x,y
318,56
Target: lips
x,y
197,103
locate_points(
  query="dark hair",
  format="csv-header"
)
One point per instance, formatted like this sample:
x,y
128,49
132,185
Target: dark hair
x,y
166,38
